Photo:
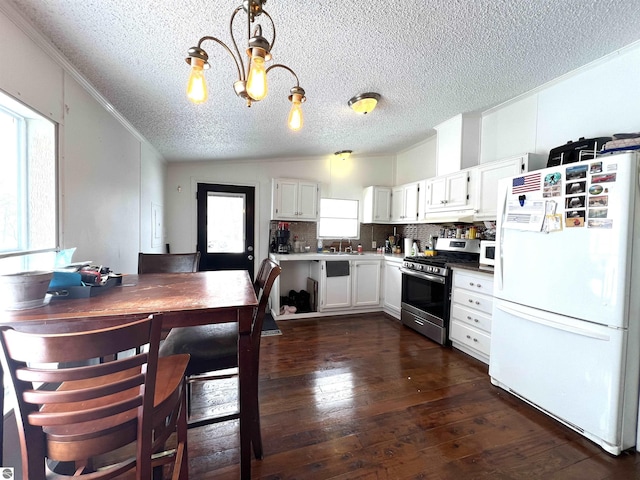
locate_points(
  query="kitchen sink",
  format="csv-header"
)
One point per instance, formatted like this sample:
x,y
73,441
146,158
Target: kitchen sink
x,y
344,253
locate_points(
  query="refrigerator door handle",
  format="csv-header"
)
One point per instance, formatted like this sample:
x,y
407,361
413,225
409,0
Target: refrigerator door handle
x,y
551,324
503,190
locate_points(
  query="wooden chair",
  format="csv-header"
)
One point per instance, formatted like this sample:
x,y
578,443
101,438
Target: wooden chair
x,y
83,414
168,262
215,347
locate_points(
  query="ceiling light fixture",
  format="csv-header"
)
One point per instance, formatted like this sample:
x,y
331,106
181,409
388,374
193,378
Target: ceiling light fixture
x,y
365,102
252,78
343,154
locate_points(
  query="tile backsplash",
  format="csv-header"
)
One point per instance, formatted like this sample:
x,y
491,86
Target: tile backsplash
x,y
369,232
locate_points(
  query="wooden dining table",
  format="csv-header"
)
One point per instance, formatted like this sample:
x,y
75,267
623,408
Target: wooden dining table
x,y
183,299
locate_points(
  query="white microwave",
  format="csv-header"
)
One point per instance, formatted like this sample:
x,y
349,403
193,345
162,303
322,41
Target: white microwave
x,y
487,252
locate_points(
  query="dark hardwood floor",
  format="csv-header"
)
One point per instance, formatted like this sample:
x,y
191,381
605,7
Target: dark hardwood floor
x,y
362,397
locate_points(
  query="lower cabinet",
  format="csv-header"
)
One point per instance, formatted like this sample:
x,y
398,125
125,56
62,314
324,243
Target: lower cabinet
x,y
392,297
335,292
471,306
359,289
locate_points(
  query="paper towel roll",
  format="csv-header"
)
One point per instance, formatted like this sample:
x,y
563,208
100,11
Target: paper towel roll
x,y
408,242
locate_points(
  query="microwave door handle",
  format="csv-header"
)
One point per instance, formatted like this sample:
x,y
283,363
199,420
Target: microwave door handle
x,y
424,276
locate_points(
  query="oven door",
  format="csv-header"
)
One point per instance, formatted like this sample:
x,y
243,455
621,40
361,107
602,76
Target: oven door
x,y
425,304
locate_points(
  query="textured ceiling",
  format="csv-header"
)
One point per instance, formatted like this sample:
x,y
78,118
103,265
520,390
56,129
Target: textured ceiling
x,y
429,59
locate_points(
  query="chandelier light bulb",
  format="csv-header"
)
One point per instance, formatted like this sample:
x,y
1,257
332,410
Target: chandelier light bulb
x,y
296,120
197,85
257,79
251,81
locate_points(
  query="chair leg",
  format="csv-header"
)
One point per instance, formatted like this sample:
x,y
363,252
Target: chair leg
x,y
181,468
256,436
188,396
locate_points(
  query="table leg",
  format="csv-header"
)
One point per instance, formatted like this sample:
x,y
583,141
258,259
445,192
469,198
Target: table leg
x,y
245,317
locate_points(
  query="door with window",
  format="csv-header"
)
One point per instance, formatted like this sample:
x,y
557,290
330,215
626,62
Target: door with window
x,y
226,229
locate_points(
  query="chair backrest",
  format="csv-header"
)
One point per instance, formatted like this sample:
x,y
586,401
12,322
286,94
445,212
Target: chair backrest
x,y
269,271
261,277
95,408
168,262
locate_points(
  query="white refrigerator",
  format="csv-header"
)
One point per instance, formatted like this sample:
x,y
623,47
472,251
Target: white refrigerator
x,y
566,318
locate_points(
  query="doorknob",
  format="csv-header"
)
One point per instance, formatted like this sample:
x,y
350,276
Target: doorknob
x,y
250,257
250,248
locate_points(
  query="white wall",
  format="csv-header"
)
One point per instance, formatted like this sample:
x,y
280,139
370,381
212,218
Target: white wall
x,y
153,178
417,163
101,183
597,100
338,179
109,175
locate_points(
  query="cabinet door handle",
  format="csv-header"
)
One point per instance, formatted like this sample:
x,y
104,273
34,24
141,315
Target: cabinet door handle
x,y
471,284
479,286
477,302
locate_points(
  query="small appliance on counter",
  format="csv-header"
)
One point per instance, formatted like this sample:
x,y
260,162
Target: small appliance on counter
x,y
281,242
488,252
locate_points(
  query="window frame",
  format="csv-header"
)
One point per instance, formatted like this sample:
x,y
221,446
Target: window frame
x,y
356,219
27,117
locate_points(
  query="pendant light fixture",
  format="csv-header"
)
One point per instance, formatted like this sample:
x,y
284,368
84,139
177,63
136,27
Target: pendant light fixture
x,y
365,102
251,84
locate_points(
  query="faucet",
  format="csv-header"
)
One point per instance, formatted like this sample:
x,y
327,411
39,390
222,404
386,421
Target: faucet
x,y
340,248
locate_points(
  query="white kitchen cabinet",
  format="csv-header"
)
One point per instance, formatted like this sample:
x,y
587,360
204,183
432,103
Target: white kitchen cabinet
x,y
366,283
335,292
471,306
446,193
392,279
294,200
485,179
376,205
404,203
458,143
360,289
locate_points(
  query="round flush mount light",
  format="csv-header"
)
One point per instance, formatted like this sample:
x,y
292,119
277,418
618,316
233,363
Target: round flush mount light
x,y
365,102
343,154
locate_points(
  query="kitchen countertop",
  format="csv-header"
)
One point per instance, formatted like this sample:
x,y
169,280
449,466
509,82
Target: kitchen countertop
x,y
284,257
476,267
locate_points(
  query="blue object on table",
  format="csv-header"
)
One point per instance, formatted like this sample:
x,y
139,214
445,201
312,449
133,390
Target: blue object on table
x,y
63,280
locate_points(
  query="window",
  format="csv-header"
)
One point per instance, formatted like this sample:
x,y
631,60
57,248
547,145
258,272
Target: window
x,y
338,219
225,222
28,193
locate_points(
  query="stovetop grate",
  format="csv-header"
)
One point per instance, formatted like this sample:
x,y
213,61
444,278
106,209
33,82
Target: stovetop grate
x,y
447,257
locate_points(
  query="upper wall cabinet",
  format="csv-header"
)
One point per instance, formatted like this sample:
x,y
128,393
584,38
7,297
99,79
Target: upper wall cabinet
x,y
404,203
448,192
484,185
295,200
458,143
376,205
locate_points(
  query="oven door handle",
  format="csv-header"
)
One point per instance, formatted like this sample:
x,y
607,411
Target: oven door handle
x,y
425,276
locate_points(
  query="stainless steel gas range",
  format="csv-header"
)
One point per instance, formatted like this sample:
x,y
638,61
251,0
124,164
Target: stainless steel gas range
x,y
426,286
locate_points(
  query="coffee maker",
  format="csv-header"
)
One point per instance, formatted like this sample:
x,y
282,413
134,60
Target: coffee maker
x,y
282,244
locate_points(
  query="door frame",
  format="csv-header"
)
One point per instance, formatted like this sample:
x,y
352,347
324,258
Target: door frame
x,y
260,251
